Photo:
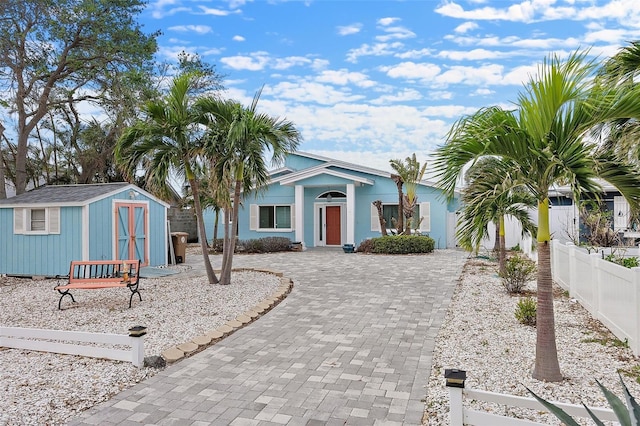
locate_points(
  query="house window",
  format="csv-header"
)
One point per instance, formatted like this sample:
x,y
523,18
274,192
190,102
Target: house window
x,y
44,220
38,222
390,214
275,217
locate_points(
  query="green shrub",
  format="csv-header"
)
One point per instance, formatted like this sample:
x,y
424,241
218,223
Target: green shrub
x,y
627,262
403,244
526,311
366,246
518,271
256,245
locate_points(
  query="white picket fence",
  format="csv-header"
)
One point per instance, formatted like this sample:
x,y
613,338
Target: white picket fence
x,y
460,415
610,292
36,339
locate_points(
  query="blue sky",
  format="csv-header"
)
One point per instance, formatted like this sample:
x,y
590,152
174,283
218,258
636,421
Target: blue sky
x,y
367,81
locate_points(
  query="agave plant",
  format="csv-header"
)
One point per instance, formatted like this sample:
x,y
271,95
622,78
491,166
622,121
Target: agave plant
x,y
628,415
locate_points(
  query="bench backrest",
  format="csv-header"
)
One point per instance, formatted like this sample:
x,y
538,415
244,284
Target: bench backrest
x,y
103,270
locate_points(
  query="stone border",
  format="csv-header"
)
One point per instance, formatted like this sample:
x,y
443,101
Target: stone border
x,y
199,343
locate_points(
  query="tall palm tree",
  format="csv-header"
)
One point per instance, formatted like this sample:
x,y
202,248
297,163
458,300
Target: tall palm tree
x,y
248,137
545,141
411,173
490,195
169,140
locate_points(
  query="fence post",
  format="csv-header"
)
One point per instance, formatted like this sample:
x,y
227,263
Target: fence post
x,y
454,380
635,345
596,291
136,335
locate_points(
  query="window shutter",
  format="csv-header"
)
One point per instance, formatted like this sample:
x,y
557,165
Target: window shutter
x,y
293,216
375,221
54,220
18,221
425,214
253,217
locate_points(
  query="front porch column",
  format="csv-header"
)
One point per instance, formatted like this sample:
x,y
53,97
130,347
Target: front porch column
x,y
299,213
351,213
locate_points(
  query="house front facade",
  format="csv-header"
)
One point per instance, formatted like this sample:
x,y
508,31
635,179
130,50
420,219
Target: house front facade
x,y
323,202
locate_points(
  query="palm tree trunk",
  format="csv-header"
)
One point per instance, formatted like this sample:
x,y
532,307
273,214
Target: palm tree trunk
x,y
225,275
383,223
501,247
398,180
546,367
215,223
496,244
211,275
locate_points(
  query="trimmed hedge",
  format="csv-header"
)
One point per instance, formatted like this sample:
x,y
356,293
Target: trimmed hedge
x,y
258,245
398,244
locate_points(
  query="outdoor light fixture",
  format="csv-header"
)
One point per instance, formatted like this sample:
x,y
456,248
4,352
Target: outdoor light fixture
x,y
455,378
329,198
132,194
137,331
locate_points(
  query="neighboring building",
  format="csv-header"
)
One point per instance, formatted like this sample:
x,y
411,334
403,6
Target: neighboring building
x,y
43,230
321,202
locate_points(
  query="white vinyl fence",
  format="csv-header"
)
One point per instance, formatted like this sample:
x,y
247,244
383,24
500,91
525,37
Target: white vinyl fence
x,y
610,292
54,341
460,415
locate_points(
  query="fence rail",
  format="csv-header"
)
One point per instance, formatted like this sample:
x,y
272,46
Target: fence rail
x,y
610,292
460,415
43,340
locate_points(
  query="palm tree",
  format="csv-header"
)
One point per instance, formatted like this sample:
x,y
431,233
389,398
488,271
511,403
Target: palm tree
x,y
545,141
490,195
169,140
248,136
411,173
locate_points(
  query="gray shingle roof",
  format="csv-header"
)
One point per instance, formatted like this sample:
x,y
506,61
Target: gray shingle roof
x,y
58,194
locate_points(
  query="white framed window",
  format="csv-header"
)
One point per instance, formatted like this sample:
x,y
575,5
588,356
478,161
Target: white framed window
x,y
272,217
422,212
36,221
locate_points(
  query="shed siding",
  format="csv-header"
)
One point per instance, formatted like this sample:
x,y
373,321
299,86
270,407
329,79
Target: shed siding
x,y
47,255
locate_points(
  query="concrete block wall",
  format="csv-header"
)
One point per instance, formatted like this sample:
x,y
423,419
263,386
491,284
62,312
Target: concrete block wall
x,y
183,220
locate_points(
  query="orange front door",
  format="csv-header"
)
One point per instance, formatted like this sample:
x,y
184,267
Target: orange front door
x,y
333,226
131,232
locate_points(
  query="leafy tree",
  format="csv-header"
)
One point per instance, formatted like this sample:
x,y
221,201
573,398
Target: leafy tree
x,y
169,139
248,136
490,195
545,140
411,173
53,52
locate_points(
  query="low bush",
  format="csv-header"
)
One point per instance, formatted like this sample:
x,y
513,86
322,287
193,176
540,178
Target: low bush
x,y
526,310
627,262
518,271
366,246
403,244
256,245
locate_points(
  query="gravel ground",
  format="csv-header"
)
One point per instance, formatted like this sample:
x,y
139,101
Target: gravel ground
x,y
41,388
482,336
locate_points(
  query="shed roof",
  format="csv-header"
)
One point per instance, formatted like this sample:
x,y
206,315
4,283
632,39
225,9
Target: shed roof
x,y
69,194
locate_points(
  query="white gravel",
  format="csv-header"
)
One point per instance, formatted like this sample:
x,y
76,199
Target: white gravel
x,y
482,336
42,388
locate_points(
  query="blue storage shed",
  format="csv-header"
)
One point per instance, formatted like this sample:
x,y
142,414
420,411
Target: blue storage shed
x,y
43,230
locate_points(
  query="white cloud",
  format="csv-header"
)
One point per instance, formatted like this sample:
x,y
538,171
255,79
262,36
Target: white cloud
x,y
473,55
414,54
466,27
238,38
290,61
311,92
406,95
343,77
448,111
214,12
378,49
256,62
349,29
395,33
412,71
387,21
198,29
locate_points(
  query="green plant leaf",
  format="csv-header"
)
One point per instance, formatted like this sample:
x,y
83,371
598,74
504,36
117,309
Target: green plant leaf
x,y
632,405
595,419
618,407
555,410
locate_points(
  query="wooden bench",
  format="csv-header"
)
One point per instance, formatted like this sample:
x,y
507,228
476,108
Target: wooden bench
x,y
96,274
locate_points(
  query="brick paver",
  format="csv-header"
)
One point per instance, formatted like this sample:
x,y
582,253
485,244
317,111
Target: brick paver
x,y
352,344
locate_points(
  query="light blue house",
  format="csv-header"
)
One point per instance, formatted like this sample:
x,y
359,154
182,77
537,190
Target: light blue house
x,y
43,230
325,202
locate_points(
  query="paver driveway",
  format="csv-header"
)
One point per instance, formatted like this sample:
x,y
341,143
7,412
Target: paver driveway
x,y
351,344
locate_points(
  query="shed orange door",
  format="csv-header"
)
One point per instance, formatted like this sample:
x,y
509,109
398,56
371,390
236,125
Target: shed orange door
x,y
131,232
333,226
